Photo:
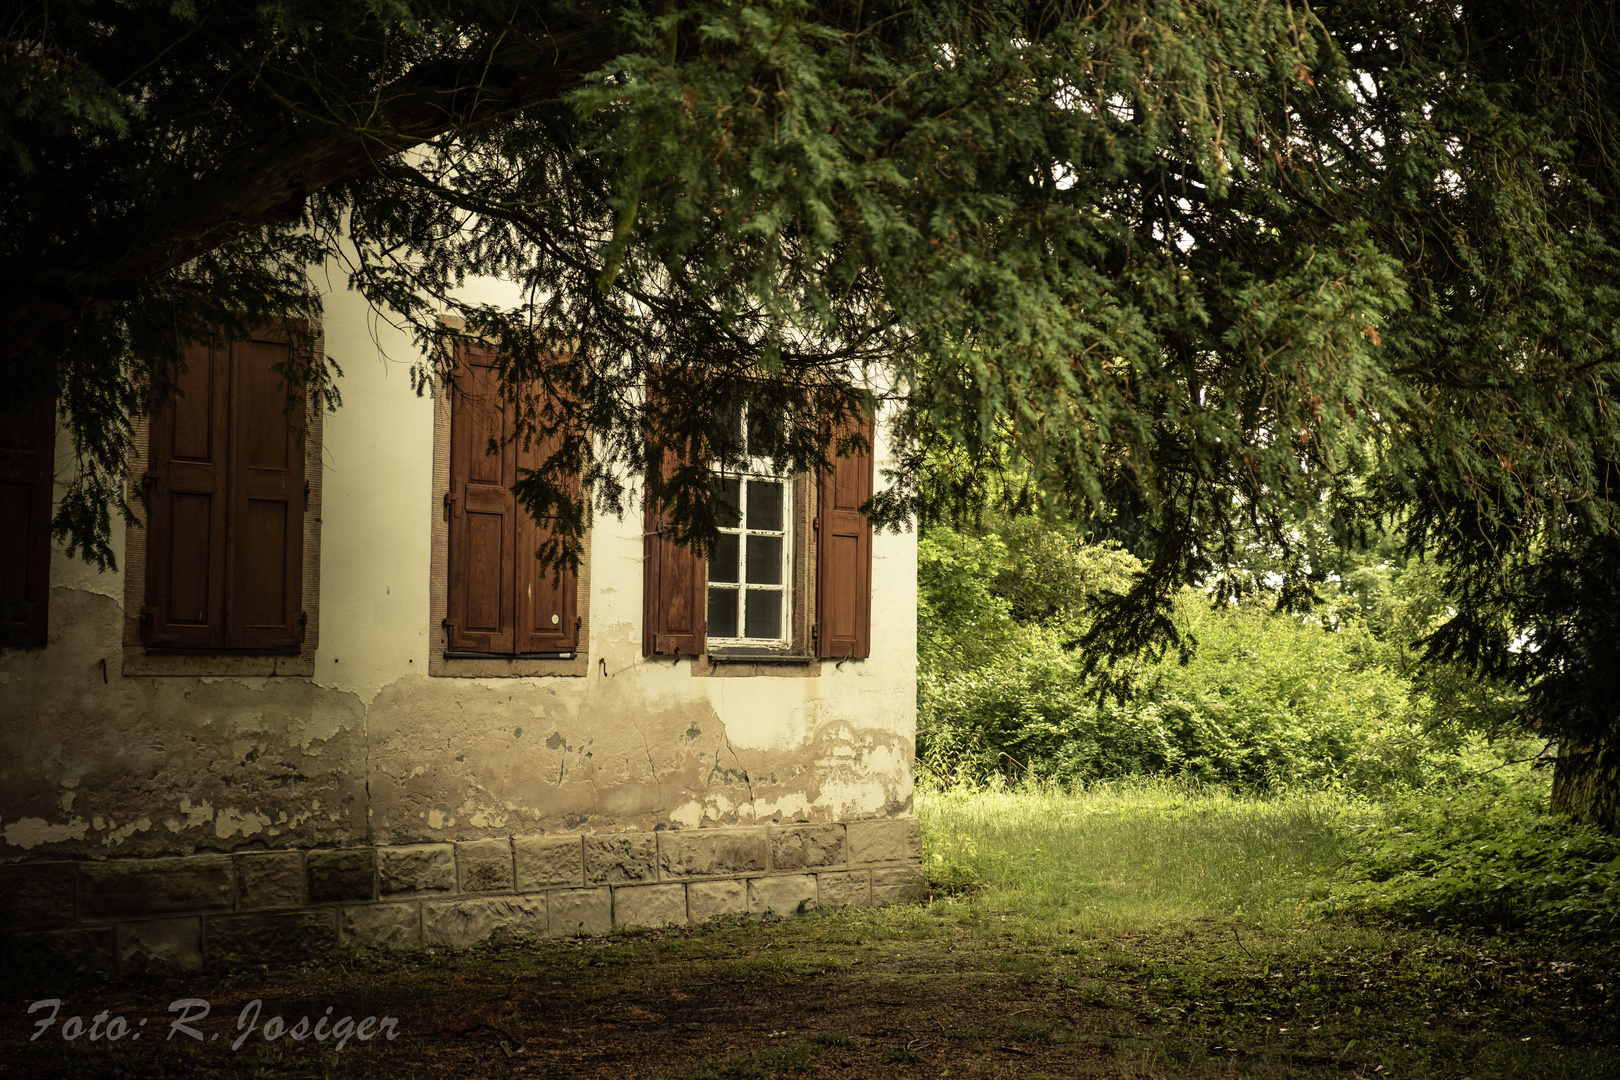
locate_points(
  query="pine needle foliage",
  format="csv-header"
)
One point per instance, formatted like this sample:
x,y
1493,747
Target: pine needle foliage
x,y
1187,269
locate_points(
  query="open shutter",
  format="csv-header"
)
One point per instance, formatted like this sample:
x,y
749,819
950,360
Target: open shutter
x,y
267,503
547,603
27,454
844,558
479,607
674,588
186,492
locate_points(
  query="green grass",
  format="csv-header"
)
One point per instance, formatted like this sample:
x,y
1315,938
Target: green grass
x,y
1129,856
1144,929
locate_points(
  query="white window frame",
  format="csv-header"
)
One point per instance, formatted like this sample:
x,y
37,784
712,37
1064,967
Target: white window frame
x,y
759,468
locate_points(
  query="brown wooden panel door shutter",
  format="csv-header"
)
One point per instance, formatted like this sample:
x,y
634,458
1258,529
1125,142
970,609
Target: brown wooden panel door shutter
x,y
547,602
479,606
186,508
499,598
674,587
266,522
844,558
27,455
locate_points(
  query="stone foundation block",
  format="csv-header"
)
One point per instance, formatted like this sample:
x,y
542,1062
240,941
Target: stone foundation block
x,y
807,847
270,879
485,865
649,905
544,861
160,946
708,899
898,885
467,922
128,887
341,875
286,935
580,911
381,926
620,857
712,853
413,869
885,840
849,889
43,894
62,954
791,895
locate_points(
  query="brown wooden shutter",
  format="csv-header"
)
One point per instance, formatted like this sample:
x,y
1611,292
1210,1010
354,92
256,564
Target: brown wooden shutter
x,y
266,528
186,511
27,457
674,587
844,558
547,602
479,605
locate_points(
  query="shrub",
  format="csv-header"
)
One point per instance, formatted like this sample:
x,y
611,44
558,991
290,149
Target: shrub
x,y
1487,856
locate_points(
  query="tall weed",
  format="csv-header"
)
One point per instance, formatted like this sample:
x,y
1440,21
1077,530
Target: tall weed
x,y
1486,856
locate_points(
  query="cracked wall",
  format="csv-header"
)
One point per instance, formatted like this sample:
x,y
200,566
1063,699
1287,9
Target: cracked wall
x,y
372,749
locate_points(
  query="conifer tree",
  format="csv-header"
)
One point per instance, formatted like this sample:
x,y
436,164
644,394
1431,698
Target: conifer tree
x,y
1192,267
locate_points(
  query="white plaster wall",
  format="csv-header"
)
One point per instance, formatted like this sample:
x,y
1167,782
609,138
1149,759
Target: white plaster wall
x,y
377,472
374,743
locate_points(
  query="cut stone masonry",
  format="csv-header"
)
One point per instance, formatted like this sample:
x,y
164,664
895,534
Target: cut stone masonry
x,y
127,916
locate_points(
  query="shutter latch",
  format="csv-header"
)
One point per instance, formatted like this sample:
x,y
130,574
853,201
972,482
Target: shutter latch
x,y
449,505
303,624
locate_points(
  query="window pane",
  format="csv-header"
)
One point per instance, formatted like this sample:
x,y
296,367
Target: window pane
x,y
729,511
764,614
728,424
764,560
722,612
723,560
764,433
765,505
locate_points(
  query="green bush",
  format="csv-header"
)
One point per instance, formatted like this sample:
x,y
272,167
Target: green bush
x,y
1486,856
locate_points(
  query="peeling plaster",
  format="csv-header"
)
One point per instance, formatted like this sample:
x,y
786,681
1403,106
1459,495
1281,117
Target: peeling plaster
x,y
372,748
32,832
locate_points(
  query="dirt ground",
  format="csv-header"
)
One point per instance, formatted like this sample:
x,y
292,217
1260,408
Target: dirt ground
x,y
836,996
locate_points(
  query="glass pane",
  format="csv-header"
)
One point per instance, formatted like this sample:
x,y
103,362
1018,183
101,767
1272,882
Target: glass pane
x,y
765,505
764,560
764,614
723,560
722,612
764,433
729,497
728,429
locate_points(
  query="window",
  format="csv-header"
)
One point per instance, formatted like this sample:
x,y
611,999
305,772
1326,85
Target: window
x,y
790,575
226,493
27,453
500,605
750,569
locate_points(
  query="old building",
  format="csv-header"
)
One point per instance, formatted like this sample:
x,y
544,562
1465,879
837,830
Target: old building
x,y
327,696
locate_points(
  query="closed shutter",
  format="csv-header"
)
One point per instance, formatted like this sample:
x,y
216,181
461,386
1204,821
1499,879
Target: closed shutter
x,y
500,598
186,508
27,454
225,512
674,590
844,558
266,531
547,601
479,605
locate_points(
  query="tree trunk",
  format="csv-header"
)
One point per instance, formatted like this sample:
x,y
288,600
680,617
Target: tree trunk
x,y
1586,782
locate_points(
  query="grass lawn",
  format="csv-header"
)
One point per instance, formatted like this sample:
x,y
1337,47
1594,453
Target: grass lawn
x,y
1141,931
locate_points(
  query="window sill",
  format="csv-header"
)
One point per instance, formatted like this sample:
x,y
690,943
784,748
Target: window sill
x,y
749,663
471,666
724,655
143,663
